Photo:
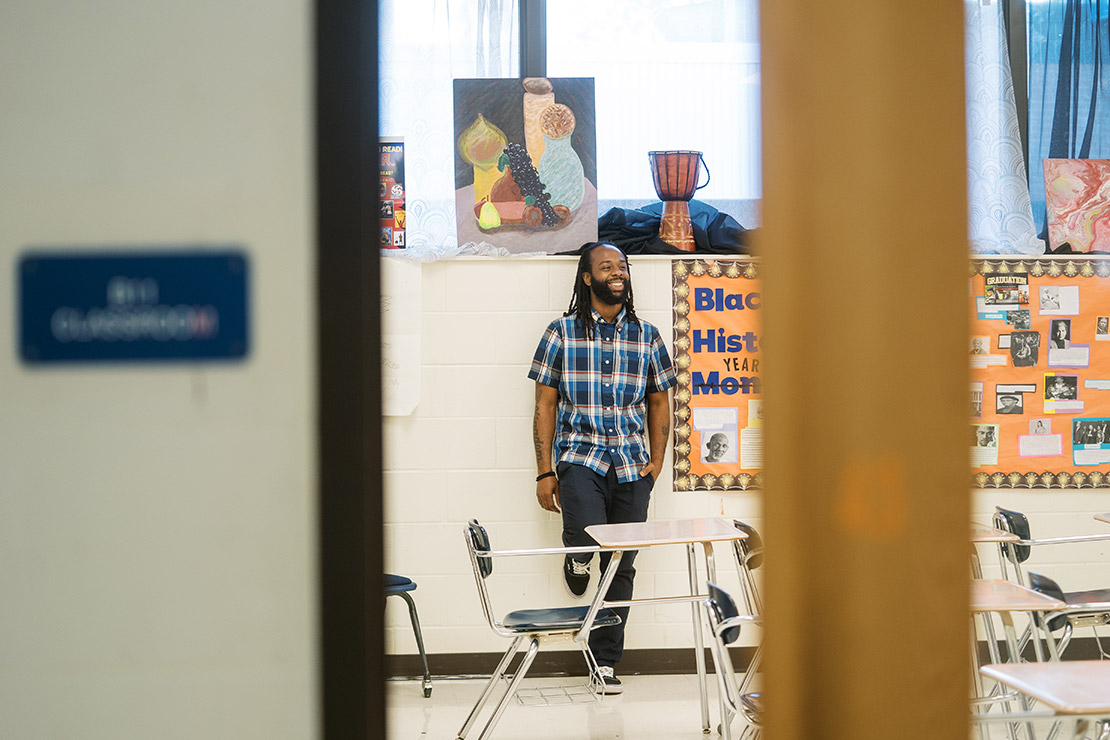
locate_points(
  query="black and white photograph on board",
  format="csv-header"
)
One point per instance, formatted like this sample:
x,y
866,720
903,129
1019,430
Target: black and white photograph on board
x,y
1040,426
1090,432
719,447
984,435
1061,387
1025,348
1008,403
1019,319
1059,333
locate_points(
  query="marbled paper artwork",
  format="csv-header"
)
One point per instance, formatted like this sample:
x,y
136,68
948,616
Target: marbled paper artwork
x,y
1077,193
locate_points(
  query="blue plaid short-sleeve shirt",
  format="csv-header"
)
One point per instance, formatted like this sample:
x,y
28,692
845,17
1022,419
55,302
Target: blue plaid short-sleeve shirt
x,y
603,385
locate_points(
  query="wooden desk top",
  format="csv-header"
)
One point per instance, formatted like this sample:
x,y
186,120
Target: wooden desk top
x,y
663,532
1004,596
1069,687
1103,517
983,533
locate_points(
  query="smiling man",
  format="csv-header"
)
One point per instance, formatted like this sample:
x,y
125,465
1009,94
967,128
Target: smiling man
x,y
602,379
717,446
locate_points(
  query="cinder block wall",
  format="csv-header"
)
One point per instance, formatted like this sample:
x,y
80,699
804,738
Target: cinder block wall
x,y
466,452
1075,567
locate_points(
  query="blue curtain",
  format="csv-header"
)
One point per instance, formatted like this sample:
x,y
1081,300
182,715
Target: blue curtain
x,y
1069,91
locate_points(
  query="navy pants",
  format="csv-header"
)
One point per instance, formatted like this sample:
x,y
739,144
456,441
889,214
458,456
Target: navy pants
x,y
588,498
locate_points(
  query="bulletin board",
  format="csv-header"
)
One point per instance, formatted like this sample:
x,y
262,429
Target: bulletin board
x,y
718,441
1040,373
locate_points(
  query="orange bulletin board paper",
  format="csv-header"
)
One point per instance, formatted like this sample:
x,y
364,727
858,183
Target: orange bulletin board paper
x,y
719,408
1040,373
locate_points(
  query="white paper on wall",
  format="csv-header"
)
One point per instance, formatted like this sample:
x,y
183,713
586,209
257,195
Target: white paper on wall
x,y
401,301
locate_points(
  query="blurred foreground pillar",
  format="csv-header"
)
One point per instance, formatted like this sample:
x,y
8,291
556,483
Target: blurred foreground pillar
x,y
866,387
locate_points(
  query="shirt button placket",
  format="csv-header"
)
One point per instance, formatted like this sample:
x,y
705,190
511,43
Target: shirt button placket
x,y
608,397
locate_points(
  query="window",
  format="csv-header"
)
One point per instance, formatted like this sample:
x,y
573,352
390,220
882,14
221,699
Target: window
x,y
1069,86
670,74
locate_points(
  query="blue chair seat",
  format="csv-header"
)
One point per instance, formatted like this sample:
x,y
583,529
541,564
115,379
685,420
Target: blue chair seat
x,y
556,619
1087,597
397,584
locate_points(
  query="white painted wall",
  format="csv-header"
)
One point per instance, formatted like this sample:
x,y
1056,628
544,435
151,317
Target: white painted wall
x,y
466,452
156,523
1076,567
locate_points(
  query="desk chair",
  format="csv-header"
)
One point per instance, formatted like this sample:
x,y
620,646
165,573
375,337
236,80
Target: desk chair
x,y
1085,608
538,626
400,586
725,622
749,554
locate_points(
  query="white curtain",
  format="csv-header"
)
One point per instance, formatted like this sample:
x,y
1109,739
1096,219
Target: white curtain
x,y
423,45
1000,217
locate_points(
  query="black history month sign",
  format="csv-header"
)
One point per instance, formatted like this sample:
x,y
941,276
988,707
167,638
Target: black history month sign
x,y
718,442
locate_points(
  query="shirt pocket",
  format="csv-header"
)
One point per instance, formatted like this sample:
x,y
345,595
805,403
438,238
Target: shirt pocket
x,y
633,380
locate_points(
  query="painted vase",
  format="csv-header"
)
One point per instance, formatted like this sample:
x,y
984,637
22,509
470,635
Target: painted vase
x,y
481,145
560,169
538,97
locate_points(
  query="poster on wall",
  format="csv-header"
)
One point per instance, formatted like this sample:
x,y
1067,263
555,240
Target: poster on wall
x,y
1040,373
391,194
526,163
1077,196
718,440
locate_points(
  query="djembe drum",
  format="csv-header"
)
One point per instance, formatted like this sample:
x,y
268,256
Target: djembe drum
x,y
676,178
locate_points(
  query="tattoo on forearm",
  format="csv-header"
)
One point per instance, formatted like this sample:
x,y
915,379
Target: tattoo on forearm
x,y
536,436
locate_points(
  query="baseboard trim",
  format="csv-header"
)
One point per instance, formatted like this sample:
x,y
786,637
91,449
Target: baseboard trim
x,y
1080,648
653,661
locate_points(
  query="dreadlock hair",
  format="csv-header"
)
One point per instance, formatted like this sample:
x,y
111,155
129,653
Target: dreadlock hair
x,y
580,303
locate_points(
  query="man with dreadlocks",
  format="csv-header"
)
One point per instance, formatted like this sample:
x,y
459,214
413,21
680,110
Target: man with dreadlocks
x,y
602,378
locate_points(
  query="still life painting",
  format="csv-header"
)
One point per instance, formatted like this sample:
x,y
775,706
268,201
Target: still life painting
x,y
1077,194
526,163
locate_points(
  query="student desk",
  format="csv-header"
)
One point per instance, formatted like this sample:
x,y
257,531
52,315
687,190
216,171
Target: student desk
x,y
984,533
981,533
1078,689
618,538
1005,598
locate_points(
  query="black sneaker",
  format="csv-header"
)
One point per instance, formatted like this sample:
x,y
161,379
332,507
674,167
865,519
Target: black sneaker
x,y
576,575
606,681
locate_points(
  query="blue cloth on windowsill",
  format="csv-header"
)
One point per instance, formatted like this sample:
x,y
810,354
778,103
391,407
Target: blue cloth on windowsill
x,y
636,231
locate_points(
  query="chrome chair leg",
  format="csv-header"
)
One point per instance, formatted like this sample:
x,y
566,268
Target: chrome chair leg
x,y
525,663
498,672
725,728
427,683
753,668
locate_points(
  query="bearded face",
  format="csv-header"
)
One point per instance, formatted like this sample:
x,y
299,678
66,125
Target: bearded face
x,y
608,276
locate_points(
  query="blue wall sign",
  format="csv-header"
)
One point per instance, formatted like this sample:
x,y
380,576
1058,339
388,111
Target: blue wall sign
x,y
152,306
